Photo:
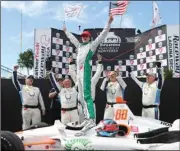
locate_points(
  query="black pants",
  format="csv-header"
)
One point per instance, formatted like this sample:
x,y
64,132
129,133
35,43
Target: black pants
x,y
55,114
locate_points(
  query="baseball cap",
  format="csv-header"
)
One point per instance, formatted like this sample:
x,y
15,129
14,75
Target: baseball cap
x,y
151,74
59,79
30,77
86,33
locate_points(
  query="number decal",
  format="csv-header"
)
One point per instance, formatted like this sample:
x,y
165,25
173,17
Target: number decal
x,y
121,114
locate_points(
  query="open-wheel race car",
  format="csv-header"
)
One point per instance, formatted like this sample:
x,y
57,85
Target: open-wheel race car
x,y
135,133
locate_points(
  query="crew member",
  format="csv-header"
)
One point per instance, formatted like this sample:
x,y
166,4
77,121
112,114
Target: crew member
x,y
30,97
55,103
94,79
68,98
85,52
151,90
115,87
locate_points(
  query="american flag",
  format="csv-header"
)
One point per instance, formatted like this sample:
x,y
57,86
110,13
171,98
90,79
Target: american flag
x,y
118,8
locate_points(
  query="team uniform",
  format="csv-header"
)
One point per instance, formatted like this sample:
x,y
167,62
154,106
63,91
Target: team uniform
x,y
30,97
68,98
151,95
113,90
94,81
85,52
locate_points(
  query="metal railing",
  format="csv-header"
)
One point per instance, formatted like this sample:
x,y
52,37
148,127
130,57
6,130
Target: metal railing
x,y
10,70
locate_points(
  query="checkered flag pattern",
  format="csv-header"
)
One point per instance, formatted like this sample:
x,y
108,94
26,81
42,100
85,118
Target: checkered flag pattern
x,y
62,49
142,60
152,49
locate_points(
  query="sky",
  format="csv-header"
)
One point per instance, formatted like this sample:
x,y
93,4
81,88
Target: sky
x,y
50,14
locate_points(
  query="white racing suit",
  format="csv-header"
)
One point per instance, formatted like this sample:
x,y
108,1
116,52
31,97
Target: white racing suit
x,y
30,97
85,52
94,81
151,95
68,100
113,90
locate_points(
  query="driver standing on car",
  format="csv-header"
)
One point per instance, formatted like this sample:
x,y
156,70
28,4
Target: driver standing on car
x,y
94,79
114,86
30,97
151,90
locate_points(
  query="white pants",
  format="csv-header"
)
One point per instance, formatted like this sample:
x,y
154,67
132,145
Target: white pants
x,y
69,116
81,113
109,112
28,115
151,113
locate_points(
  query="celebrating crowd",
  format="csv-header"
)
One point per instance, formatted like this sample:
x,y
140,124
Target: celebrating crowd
x,y
77,102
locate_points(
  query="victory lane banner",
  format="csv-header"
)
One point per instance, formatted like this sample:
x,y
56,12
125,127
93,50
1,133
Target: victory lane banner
x,y
115,49
115,45
173,49
42,50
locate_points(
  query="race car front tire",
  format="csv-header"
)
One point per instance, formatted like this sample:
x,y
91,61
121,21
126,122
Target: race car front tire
x,y
10,141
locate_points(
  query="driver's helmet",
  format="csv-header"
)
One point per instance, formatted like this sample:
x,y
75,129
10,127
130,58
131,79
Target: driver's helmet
x,y
107,128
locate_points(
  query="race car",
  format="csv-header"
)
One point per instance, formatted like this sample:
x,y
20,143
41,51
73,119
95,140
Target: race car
x,y
135,133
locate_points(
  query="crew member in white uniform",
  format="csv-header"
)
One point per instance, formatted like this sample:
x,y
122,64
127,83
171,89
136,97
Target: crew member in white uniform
x,y
68,100
114,86
151,90
85,52
94,79
30,97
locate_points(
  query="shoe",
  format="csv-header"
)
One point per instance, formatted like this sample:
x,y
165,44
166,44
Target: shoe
x,y
84,123
88,124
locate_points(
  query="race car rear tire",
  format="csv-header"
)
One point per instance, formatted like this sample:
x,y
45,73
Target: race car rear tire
x,y
10,141
151,133
39,125
165,138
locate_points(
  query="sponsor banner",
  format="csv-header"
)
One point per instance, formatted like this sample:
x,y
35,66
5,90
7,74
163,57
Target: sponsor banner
x,y
173,49
114,46
42,50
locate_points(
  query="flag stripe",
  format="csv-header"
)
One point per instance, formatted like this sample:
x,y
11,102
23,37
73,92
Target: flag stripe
x,y
119,8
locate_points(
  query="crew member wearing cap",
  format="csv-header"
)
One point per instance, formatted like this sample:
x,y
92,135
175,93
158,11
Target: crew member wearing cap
x,y
30,98
85,51
94,79
114,86
151,90
68,100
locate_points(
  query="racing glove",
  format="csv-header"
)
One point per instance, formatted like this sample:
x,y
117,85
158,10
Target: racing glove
x,y
129,70
158,64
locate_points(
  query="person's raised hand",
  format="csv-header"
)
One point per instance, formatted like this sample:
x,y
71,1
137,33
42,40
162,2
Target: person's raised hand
x,y
129,69
70,59
99,57
158,64
16,67
111,18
